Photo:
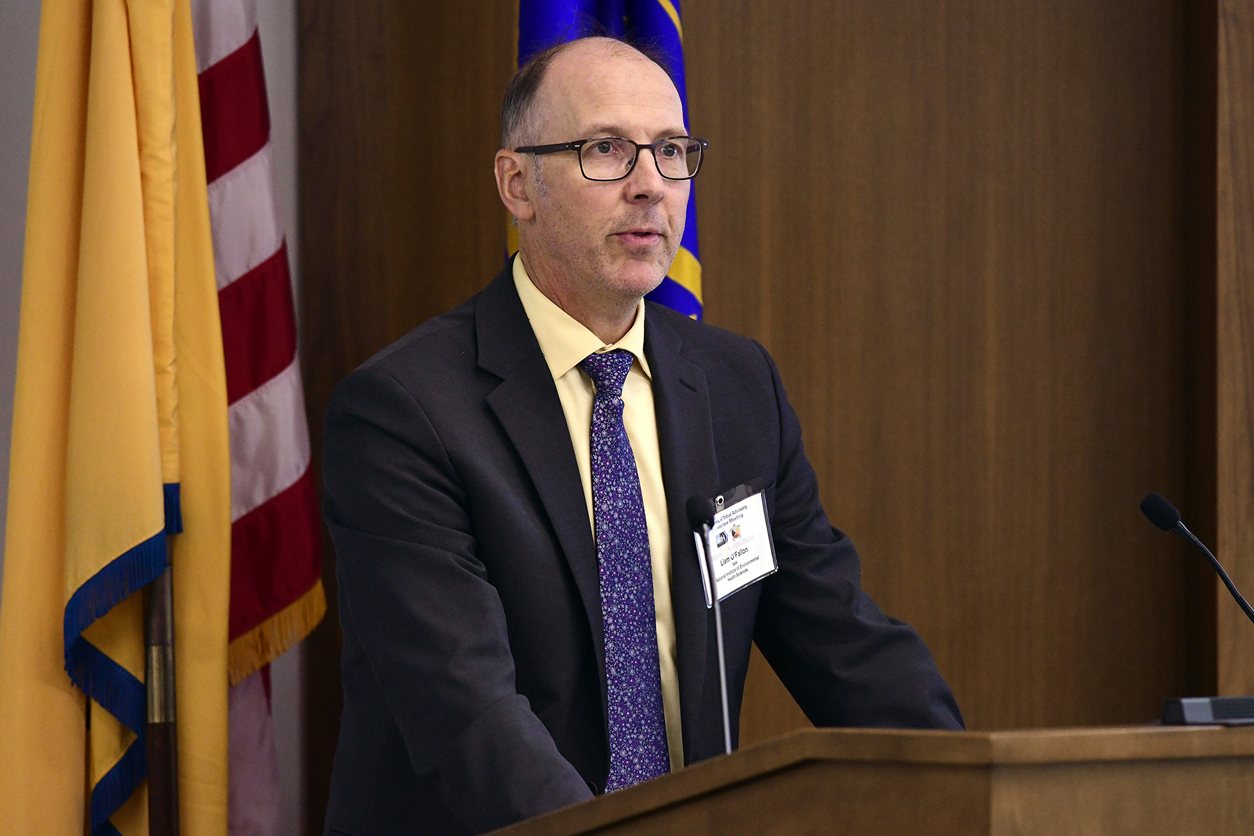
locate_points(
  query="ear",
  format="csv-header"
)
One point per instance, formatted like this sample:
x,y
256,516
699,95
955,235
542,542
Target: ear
x,y
512,181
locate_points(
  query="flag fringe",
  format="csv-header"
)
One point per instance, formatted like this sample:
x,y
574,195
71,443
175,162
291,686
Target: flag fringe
x,y
130,571
117,785
102,679
173,508
94,673
258,647
112,686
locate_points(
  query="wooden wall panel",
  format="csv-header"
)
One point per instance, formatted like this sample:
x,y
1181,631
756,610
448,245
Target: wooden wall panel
x,y
1235,324
400,220
957,227
1200,50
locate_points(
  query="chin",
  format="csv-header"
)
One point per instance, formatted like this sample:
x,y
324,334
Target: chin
x,y
637,287
638,278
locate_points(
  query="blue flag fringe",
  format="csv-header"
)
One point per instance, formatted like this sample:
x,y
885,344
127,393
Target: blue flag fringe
x,y
173,508
117,786
131,571
110,685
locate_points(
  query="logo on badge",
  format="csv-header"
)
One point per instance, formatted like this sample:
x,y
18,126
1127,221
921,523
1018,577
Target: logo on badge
x,y
721,539
735,532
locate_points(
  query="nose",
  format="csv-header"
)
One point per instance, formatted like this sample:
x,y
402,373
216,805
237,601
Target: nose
x,y
645,184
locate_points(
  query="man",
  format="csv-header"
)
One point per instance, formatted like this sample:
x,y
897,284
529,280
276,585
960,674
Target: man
x,y
524,621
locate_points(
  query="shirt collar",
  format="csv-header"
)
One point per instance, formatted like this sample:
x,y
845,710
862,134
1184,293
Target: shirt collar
x,y
563,339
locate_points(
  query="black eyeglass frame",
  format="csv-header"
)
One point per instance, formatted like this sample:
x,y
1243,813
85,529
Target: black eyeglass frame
x,y
578,144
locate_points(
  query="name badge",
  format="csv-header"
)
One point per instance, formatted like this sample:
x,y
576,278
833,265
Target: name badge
x,y
741,549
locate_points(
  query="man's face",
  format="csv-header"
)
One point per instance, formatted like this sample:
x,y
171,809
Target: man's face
x,y
607,241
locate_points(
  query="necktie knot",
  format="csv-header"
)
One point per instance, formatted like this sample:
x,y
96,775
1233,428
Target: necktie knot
x,y
608,371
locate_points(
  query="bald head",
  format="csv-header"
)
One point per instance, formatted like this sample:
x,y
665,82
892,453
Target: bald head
x,y
522,112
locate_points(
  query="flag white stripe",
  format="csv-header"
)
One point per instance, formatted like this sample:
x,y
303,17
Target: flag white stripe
x,y
269,441
245,212
253,797
220,29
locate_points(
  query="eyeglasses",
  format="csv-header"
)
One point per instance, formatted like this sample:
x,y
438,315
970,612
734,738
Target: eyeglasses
x,y
613,158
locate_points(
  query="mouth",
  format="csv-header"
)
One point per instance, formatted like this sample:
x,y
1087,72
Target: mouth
x,y
644,236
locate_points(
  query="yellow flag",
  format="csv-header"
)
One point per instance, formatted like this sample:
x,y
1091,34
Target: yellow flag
x,y
119,433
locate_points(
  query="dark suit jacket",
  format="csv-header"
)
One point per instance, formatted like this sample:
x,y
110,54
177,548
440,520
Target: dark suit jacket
x,y
473,666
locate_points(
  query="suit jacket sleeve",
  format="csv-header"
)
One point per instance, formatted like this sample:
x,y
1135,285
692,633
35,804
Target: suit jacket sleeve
x,y
418,603
843,660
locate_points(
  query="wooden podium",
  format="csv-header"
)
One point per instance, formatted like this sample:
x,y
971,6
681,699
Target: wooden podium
x,y
1138,780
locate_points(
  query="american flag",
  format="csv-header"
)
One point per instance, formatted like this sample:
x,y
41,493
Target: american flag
x,y
276,587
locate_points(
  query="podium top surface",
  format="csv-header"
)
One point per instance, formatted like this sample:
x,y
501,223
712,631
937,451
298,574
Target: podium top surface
x,y
1024,746
978,750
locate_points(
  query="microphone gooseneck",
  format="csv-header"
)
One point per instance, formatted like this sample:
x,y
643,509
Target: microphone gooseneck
x,y
701,517
1164,515
1200,711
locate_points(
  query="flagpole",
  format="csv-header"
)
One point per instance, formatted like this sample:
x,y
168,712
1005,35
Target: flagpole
x,y
162,745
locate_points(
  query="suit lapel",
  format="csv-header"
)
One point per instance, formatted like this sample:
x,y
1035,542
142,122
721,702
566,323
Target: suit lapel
x,y
686,438
527,406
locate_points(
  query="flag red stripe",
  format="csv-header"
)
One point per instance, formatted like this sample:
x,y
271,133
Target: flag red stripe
x,y
233,109
258,325
275,556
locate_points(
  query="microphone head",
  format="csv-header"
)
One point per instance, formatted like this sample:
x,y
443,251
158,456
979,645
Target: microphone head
x,y
700,511
1160,512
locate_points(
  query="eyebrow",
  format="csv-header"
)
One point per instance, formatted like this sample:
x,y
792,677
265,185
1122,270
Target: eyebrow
x,y
615,130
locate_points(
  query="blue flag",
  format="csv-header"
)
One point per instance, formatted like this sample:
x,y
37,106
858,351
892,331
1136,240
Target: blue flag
x,y
656,24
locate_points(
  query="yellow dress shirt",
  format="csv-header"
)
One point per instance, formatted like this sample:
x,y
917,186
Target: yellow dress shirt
x,y
565,342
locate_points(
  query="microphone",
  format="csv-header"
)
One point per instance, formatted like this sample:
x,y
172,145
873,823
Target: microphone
x,y
701,518
1164,515
1160,512
1228,711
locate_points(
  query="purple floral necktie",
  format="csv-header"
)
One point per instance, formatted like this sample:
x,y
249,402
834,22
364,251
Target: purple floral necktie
x,y
637,727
